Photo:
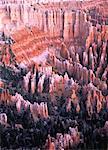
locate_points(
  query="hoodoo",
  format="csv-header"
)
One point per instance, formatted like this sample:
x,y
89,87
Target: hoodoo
x,y
54,74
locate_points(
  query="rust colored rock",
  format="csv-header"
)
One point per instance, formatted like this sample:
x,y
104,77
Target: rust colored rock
x,y
91,76
5,96
60,66
1,84
69,19
64,51
39,109
85,75
77,25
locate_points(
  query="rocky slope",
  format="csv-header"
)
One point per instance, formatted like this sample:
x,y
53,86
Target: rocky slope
x,y
62,101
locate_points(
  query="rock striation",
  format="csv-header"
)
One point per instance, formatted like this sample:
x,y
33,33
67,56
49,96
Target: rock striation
x,y
53,75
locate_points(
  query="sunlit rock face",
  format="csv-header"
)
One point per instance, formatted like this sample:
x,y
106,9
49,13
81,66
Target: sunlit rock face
x,y
45,18
4,20
54,74
34,29
59,19
53,24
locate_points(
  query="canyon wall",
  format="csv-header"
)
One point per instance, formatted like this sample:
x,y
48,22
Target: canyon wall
x,y
64,19
57,22
30,1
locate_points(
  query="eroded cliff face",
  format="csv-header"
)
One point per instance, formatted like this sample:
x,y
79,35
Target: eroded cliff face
x,y
62,19
54,75
50,24
58,22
